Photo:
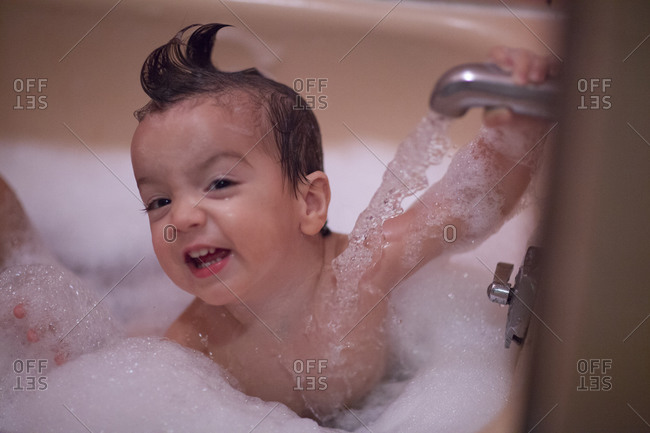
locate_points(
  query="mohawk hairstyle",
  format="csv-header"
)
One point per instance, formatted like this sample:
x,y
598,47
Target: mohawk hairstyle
x,y
179,71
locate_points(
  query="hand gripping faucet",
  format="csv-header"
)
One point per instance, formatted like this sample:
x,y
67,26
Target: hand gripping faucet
x,y
487,85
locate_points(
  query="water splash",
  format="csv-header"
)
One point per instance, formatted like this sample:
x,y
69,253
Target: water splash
x,y
405,176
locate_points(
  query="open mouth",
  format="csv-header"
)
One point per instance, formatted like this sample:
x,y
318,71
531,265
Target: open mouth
x,y
205,257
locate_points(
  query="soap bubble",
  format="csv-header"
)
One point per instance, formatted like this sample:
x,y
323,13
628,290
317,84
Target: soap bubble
x,y
449,373
145,385
59,311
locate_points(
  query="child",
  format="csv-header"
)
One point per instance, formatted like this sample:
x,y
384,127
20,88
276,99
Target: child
x,y
231,175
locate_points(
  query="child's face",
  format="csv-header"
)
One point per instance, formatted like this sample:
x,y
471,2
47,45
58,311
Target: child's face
x,y
214,190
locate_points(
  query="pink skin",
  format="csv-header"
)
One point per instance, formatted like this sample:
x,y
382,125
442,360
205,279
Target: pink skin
x,y
267,232
19,311
525,68
32,335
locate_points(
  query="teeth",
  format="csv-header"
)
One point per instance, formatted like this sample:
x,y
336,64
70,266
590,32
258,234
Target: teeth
x,y
206,264
202,252
198,253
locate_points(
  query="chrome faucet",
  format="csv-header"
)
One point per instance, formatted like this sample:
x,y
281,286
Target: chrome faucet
x,y
487,85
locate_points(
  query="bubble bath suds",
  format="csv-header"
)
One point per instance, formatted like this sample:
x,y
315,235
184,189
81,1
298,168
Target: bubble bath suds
x,y
470,193
52,299
448,340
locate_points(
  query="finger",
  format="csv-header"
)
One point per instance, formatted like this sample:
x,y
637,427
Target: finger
x,y
553,67
60,358
32,336
538,69
501,56
497,116
19,311
522,65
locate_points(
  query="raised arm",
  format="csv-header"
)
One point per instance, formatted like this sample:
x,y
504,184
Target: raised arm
x,y
484,182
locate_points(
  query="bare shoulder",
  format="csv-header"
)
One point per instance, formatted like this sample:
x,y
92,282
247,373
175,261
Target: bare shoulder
x,y
186,329
204,327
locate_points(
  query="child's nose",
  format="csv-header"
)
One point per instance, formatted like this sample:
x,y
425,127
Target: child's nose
x,y
187,213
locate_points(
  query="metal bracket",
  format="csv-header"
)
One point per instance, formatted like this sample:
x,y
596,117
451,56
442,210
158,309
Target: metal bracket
x,y
520,297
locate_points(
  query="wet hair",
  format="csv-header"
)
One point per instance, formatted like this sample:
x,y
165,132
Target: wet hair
x,y
180,71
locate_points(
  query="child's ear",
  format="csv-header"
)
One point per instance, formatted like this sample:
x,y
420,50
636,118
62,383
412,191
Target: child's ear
x,y
314,196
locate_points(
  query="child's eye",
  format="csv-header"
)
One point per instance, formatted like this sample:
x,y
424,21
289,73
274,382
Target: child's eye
x,y
157,204
220,184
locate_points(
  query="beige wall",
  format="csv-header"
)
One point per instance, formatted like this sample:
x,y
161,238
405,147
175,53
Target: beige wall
x,y
380,89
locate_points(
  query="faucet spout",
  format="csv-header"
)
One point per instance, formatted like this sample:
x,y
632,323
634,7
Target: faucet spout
x,y
486,85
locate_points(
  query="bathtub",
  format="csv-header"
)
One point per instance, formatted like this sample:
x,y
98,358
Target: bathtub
x,y
368,67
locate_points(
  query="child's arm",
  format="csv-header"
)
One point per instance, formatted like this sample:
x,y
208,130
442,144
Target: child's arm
x,y
44,305
482,185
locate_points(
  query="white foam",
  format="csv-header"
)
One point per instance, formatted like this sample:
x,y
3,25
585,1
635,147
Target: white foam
x,y
451,373
143,385
90,220
65,316
520,142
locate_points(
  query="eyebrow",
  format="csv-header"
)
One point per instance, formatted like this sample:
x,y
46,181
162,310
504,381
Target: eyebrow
x,y
221,155
207,163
